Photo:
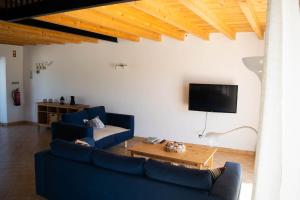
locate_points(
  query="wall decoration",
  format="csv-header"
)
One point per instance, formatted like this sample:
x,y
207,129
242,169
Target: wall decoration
x,y
42,66
14,53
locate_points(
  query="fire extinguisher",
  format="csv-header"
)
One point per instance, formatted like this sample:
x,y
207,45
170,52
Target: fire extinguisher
x,y
16,96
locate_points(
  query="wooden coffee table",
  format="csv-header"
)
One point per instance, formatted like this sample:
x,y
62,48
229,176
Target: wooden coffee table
x,y
195,155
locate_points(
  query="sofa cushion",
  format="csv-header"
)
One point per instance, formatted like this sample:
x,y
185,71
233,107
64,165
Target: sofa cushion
x,y
118,163
107,131
96,123
97,111
71,151
194,178
75,118
216,173
113,140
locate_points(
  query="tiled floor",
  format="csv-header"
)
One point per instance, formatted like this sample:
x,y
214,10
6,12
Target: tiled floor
x,y
19,143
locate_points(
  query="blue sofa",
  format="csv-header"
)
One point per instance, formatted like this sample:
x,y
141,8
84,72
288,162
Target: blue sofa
x,y
69,171
72,127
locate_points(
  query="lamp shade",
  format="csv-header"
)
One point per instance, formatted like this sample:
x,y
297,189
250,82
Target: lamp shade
x,y
255,64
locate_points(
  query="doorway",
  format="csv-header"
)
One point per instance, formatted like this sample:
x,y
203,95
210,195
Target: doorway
x,y
3,94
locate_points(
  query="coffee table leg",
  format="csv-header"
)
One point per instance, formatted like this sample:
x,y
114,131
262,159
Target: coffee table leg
x,y
208,165
200,166
132,154
211,162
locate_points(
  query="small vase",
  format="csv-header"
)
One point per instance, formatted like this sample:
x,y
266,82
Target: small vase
x,y
72,102
62,100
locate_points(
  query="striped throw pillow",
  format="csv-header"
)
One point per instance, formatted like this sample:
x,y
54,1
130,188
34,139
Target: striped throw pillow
x,y
216,173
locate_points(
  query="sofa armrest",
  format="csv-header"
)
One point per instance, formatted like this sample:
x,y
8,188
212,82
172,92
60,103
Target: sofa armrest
x,y
228,185
70,132
121,120
39,161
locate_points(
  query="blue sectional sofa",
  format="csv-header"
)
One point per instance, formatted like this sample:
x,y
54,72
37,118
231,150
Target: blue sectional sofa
x,y
119,127
69,171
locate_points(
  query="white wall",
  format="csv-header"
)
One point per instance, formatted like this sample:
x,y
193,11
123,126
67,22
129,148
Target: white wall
x,y
155,85
3,96
14,73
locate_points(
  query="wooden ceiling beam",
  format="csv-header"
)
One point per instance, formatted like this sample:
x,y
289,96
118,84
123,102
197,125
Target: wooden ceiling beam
x,y
66,29
39,8
73,22
54,34
152,8
131,16
16,43
17,28
134,19
248,10
19,41
201,9
31,37
37,38
92,16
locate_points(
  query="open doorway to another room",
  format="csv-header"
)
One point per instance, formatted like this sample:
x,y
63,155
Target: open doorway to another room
x,y
3,94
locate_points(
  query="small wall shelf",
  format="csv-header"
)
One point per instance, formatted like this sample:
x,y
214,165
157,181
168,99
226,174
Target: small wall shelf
x,y
51,112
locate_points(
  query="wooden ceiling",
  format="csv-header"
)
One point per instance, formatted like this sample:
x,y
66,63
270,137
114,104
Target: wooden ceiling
x,y
148,19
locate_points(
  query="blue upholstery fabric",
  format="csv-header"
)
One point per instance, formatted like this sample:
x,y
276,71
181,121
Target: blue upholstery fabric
x,y
118,163
71,151
198,179
40,181
228,185
60,179
70,132
75,118
65,179
89,140
121,120
97,111
113,140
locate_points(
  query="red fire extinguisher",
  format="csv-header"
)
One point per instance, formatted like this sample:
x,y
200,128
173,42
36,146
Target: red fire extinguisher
x,y
16,96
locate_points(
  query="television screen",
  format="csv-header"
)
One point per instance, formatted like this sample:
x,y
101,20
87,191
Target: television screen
x,y
213,98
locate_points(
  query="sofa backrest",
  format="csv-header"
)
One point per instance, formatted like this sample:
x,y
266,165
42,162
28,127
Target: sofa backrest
x,y
118,163
75,118
198,179
71,151
65,179
97,111
193,178
90,113
101,175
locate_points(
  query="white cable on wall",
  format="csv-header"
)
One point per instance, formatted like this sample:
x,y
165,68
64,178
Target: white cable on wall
x,y
212,134
205,124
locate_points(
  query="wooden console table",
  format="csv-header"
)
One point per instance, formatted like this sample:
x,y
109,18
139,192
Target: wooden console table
x,y
51,112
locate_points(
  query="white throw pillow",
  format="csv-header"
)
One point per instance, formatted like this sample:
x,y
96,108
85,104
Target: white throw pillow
x,y
96,123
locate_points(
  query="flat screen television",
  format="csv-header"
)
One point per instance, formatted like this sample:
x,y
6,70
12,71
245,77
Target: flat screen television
x,y
213,98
